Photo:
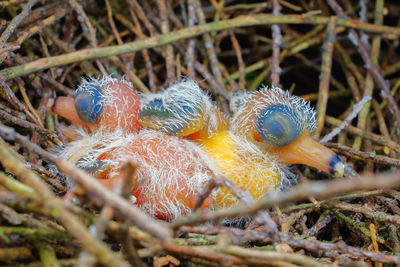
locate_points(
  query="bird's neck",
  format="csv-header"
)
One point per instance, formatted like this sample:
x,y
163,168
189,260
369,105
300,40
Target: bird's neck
x,y
242,163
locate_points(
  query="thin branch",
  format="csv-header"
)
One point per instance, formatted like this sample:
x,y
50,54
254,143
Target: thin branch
x,y
162,39
131,213
16,21
318,190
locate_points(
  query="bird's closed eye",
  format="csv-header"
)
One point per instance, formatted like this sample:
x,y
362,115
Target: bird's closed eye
x,y
89,103
278,125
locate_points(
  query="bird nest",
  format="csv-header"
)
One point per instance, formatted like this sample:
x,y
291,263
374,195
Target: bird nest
x,y
341,55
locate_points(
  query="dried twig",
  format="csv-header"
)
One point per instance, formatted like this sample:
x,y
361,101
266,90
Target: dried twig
x,y
75,227
370,65
16,21
318,190
163,39
353,153
327,53
132,213
225,47
277,43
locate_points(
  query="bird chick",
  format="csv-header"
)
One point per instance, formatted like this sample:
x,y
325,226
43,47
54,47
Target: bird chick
x,y
170,171
99,104
182,110
268,129
105,134
179,139
283,125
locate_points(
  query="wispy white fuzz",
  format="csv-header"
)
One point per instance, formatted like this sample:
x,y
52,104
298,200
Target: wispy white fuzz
x,y
245,119
188,105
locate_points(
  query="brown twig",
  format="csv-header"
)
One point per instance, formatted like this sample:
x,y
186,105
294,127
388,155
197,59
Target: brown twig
x,y
241,237
242,194
70,222
169,57
324,220
130,212
190,54
326,65
370,65
22,36
145,54
319,190
272,256
15,253
309,229
210,50
277,43
152,42
16,21
351,152
375,215
14,100
84,20
365,134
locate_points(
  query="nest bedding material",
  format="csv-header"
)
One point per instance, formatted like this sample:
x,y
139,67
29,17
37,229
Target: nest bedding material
x,y
46,47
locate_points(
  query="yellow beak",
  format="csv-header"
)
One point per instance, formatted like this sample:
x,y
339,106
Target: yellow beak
x,y
305,150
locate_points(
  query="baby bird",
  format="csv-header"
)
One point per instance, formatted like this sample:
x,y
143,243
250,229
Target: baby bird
x,y
282,125
105,104
179,139
105,134
269,128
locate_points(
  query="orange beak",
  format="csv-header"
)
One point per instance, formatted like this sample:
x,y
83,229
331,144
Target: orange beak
x,y
64,106
306,150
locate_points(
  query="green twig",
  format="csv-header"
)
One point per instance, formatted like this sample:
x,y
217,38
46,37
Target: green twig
x,y
327,53
47,255
152,42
